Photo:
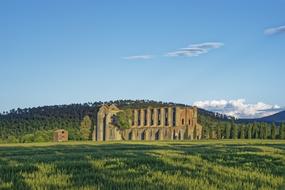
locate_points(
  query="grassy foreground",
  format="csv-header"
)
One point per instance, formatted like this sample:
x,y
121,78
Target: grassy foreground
x,y
228,164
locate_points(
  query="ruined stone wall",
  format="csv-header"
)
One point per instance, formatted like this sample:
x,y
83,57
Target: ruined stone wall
x,y
159,123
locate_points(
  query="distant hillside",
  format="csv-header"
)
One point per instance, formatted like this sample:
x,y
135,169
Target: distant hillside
x,y
278,117
275,118
215,115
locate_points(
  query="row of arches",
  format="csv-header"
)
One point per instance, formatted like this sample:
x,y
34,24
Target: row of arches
x,y
165,116
158,134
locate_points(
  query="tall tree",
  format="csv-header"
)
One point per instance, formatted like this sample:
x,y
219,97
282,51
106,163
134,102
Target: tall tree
x,y
85,127
234,131
228,131
266,129
261,131
282,131
219,131
211,132
205,132
242,132
273,131
255,129
249,131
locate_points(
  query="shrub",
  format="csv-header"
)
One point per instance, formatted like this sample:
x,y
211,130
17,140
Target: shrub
x,y
12,139
28,138
123,119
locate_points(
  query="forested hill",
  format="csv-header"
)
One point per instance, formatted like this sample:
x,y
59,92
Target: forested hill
x,y
278,117
23,124
37,124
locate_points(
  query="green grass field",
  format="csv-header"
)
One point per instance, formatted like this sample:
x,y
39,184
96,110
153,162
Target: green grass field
x,y
247,164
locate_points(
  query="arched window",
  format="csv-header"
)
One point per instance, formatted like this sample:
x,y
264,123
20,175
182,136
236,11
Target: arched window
x,y
151,117
145,117
158,116
133,117
139,117
174,117
166,116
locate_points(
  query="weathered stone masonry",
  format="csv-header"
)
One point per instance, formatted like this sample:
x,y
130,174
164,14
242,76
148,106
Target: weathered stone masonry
x,y
152,123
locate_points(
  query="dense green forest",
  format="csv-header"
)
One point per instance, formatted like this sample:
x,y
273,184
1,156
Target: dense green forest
x,y
37,124
215,128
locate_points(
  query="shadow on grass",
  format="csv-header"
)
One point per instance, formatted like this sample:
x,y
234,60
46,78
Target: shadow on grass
x,y
11,175
234,155
125,166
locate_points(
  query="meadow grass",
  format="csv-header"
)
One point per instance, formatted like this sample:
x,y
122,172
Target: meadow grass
x,y
223,164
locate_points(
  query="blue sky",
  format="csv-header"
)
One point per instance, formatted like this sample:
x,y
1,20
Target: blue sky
x,y
61,52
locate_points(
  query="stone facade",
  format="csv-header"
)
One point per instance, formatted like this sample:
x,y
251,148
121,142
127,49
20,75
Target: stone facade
x,y
152,123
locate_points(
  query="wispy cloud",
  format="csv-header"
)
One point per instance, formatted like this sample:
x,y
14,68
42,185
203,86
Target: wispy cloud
x,y
138,57
195,49
275,30
191,50
239,108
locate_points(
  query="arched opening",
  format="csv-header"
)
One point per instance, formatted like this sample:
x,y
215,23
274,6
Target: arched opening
x,y
158,117
143,135
133,117
145,117
139,117
151,117
157,135
179,135
174,135
174,117
130,135
166,116
104,127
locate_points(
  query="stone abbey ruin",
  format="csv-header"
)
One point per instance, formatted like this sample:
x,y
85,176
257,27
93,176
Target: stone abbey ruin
x,y
151,123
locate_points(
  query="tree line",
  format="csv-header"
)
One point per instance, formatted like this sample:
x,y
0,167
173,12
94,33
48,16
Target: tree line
x,y
217,129
37,124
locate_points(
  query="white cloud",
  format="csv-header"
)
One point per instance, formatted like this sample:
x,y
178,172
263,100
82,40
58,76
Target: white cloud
x,y
239,108
275,30
191,50
137,57
195,49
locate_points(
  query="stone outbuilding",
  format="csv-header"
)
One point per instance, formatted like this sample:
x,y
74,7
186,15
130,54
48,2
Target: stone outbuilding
x,y
60,135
